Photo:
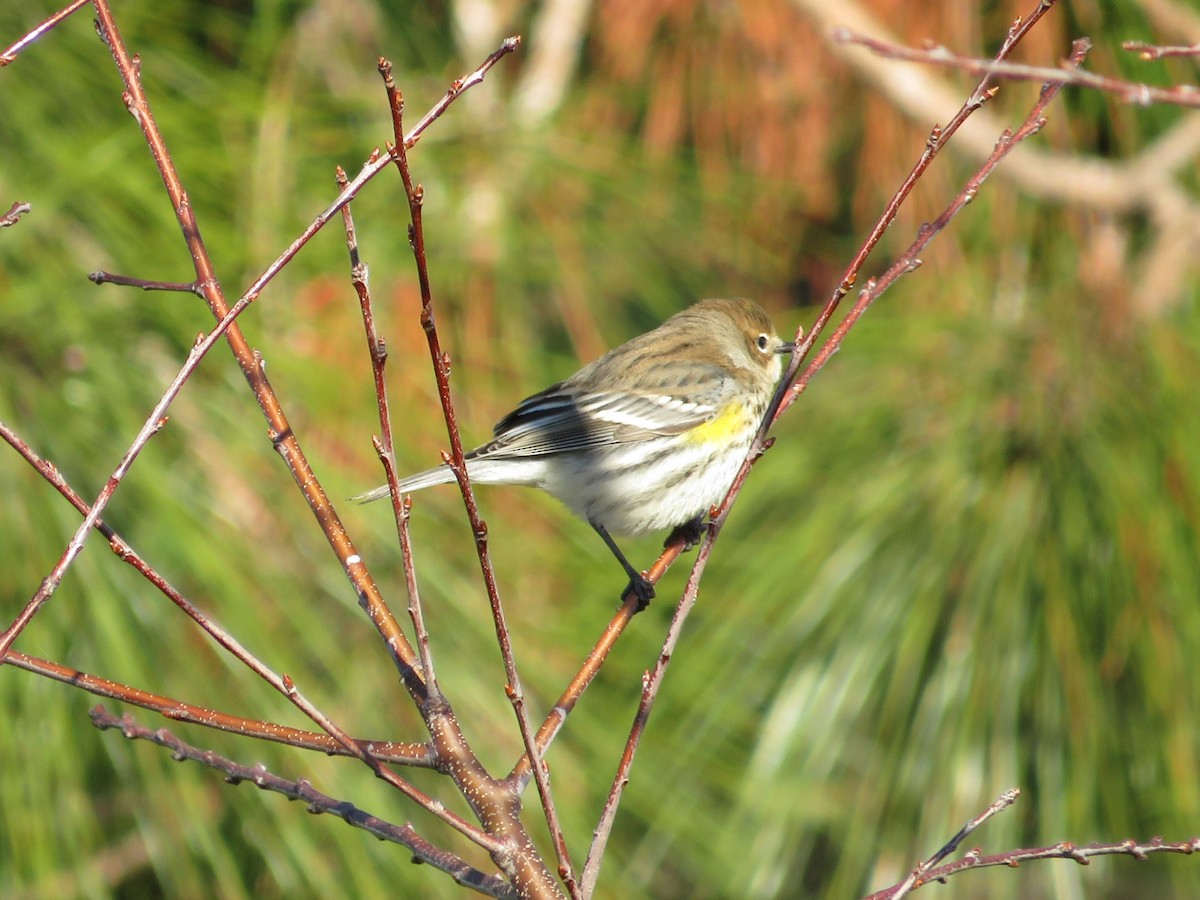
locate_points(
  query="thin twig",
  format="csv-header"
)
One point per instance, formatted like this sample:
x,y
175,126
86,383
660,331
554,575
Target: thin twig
x,y
920,874
14,214
456,460
1130,91
594,662
440,359
651,683
314,800
281,683
151,427
974,859
1068,850
189,287
909,260
1159,51
282,436
10,53
377,350
787,393
408,754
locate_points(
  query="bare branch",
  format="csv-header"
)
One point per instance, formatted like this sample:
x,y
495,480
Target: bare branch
x,y
595,659
1155,182
282,684
467,767
283,437
10,53
920,874
377,350
14,214
909,260
385,751
1157,51
1082,854
189,287
651,683
1129,91
316,802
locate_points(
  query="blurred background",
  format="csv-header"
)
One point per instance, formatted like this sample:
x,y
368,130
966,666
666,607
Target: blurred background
x,y
969,563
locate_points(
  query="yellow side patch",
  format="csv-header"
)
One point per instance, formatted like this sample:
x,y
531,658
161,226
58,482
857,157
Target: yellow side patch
x,y
721,429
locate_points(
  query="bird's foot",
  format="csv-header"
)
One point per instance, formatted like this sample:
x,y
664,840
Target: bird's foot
x,y
690,532
640,587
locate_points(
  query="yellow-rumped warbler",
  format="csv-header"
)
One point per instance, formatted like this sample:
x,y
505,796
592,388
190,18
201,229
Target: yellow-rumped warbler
x,y
647,437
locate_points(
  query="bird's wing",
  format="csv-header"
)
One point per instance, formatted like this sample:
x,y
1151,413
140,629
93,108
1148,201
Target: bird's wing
x,y
635,416
562,419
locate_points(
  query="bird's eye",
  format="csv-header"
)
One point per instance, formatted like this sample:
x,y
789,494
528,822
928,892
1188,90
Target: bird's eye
x,y
763,341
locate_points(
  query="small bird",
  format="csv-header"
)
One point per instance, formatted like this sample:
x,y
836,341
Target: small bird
x,y
647,437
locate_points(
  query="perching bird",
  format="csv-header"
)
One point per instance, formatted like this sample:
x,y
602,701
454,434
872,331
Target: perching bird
x,y
649,436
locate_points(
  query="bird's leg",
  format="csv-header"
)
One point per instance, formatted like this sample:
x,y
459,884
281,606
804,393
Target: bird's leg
x,y
638,583
691,532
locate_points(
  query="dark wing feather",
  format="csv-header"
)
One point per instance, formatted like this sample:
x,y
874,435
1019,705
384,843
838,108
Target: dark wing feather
x,y
562,419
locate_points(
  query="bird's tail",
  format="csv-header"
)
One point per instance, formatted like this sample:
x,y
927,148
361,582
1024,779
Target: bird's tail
x,y
428,478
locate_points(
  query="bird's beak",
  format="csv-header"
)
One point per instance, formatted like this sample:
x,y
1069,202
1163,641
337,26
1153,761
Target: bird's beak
x,y
787,347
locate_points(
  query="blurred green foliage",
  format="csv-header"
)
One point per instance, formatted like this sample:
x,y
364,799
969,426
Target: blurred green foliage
x,y
969,563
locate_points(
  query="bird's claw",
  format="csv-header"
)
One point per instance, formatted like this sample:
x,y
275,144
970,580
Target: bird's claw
x,y
640,587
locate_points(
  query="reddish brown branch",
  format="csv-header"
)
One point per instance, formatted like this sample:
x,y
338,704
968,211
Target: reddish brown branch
x,y
281,683
415,194
377,350
492,801
282,436
385,751
787,392
938,137
10,53
595,660
909,260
